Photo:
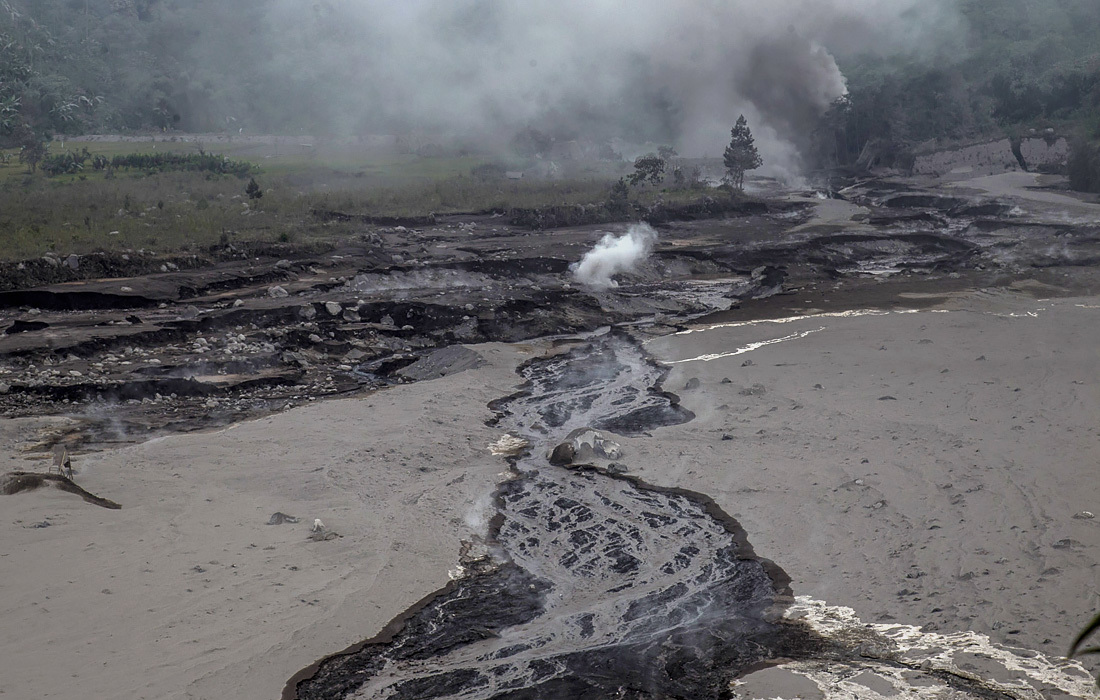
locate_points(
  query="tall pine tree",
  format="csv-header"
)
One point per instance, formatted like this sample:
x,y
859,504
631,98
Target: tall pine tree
x,y
741,155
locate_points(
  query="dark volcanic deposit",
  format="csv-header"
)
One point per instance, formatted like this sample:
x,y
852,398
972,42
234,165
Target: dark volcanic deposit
x,y
593,585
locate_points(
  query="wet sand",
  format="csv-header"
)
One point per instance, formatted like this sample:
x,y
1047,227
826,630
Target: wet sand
x,y
922,468
878,459
187,592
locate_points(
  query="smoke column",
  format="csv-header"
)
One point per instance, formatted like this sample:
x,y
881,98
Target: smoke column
x,y
614,255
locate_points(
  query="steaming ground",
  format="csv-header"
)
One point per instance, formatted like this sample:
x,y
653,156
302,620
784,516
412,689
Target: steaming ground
x,y
614,255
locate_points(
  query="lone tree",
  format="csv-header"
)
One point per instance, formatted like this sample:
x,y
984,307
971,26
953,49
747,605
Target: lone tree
x,y
649,167
741,155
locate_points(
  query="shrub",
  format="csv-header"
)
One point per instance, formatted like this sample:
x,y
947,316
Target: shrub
x,y
1083,167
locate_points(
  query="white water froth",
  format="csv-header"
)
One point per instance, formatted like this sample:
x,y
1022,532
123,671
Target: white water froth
x,y
918,665
792,319
614,255
747,348
853,313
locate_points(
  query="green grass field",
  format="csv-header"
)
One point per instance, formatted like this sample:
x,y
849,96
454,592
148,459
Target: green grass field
x,y
178,211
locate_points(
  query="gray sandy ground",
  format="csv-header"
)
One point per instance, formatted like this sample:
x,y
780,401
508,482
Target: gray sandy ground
x,y
923,468
187,592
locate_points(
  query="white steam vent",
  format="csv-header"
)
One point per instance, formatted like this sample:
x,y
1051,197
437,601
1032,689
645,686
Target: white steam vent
x,y
614,255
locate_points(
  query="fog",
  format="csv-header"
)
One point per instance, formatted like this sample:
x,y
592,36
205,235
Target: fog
x,y
649,71
598,72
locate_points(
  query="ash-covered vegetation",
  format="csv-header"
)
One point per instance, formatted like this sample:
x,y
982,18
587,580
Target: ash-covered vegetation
x,y
1027,68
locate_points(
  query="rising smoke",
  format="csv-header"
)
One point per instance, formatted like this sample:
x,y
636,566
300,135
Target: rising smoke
x,y
648,71
614,255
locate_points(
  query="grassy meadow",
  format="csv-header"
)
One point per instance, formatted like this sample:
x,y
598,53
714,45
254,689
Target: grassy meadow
x,y
177,211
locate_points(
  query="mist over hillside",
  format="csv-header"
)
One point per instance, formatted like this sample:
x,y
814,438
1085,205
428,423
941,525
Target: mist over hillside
x,y
479,71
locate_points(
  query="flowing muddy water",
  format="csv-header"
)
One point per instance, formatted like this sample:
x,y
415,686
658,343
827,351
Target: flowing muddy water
x,y
596,585
592,584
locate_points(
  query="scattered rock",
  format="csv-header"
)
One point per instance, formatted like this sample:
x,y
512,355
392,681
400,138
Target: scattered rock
x,y
443,362
307,312
1067,544
278,518
333,308
1083,515
277,292
73,262
747,363
509,446
692,383
887,398
726,380
754,390
584,445
562,455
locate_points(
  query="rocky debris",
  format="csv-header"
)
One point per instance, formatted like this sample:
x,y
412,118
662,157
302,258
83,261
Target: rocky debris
x,y
443,362
216,342
320,533
278,518
584,445
21,482
509,446
754,390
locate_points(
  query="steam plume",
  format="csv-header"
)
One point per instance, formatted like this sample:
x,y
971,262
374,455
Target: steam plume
x,y
648,71
614,255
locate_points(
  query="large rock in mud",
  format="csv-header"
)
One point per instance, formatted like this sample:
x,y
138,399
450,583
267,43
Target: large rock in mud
x,y
583,446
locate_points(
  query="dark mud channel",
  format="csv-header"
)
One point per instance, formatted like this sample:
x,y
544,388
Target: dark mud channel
x,y
593,585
